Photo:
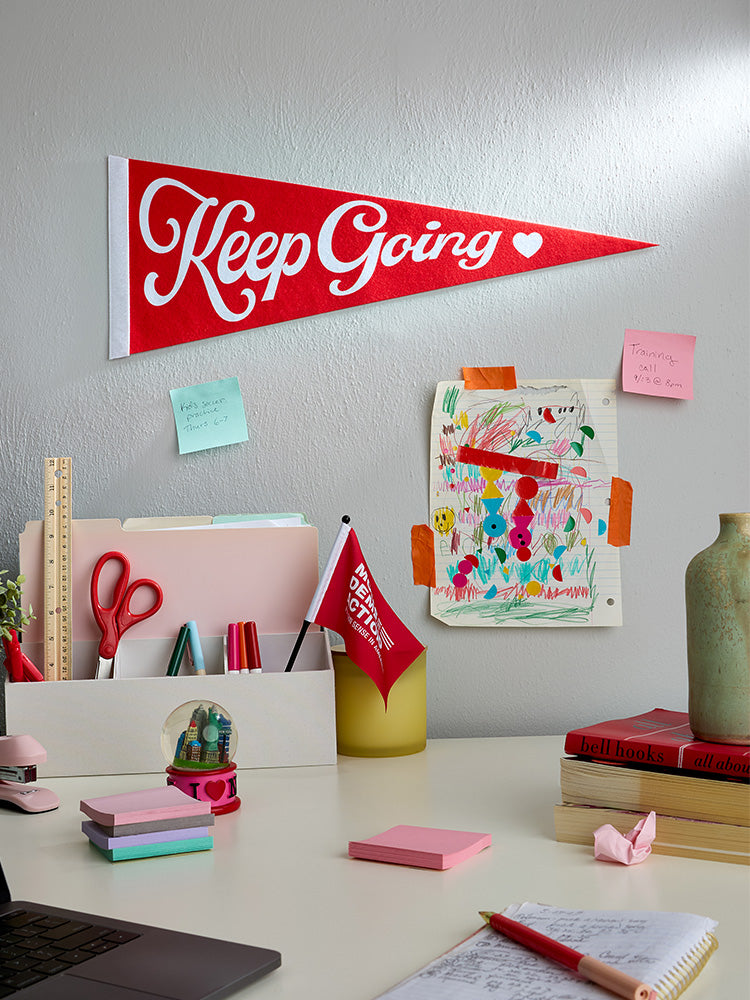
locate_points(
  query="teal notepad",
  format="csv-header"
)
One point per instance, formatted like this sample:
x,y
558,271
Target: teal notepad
x,y
156,850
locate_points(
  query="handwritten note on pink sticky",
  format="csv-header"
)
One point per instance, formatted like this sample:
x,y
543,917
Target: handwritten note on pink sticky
x,y
658,364
627,848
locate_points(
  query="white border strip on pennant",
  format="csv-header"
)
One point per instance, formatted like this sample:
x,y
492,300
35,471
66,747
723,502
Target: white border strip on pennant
x,y
119,264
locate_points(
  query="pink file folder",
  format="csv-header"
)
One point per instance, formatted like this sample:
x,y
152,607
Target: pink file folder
x,y
212,575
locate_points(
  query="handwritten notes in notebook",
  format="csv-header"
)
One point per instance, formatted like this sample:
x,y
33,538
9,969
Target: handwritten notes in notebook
x,y
648,945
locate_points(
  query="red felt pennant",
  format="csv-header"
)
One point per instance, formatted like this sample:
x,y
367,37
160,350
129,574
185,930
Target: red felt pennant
x,y
198,253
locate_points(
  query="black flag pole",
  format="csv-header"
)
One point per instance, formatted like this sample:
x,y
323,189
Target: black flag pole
x,y
333,557
297,644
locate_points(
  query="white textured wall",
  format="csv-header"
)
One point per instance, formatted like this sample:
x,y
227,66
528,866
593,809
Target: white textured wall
x,y
613,116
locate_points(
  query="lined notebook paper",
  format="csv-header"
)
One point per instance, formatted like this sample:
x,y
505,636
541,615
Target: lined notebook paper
x,y
665,950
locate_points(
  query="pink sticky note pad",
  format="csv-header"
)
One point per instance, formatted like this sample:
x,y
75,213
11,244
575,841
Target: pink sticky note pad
x,y
420,846
658,364
165,802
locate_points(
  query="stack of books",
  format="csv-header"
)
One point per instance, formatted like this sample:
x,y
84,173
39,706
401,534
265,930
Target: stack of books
x,y
619,771
147,824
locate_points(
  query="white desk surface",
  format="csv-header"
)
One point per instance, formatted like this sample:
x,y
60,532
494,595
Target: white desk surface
x,y
346,929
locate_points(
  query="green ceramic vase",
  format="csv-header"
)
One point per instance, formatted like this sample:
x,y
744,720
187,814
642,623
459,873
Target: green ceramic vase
x,y
717,604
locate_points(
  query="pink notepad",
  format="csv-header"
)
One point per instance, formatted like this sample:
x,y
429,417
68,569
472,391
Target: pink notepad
x,y
167,802
421,846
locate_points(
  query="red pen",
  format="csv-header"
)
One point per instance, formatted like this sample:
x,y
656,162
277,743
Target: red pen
x,y
619,983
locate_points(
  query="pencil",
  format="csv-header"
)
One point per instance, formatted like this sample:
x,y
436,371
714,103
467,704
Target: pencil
x,y
619,983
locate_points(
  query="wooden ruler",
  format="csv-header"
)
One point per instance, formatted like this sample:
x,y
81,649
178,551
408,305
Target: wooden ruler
x,y
57,565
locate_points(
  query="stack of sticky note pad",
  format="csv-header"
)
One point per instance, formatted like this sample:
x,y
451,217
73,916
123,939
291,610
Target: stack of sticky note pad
x,y
420,846
148,824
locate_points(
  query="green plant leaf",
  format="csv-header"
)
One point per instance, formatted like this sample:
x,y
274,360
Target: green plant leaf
x,y
12,614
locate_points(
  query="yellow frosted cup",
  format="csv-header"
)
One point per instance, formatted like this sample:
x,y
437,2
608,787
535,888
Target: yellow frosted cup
x,y
364,728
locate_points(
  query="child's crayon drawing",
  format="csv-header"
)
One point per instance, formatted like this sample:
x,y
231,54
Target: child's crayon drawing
x,y
520,486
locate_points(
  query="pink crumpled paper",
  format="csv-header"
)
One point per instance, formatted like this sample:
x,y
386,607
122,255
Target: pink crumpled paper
x,y
628,848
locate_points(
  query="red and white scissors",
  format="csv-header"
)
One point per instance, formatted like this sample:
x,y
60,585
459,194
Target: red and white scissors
x,y
116,618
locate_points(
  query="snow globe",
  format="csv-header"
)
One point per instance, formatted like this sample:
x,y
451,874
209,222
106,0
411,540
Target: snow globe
x,y
198,741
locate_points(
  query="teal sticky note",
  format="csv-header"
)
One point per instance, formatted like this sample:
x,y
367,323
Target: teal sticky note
x,y
209,415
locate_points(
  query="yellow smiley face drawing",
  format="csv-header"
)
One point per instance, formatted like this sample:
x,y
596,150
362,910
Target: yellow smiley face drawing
x,y
443,520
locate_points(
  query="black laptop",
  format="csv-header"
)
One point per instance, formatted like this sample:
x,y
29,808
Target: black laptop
x,y
51,954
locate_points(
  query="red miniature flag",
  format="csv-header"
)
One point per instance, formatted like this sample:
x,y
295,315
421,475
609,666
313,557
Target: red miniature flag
x,y
199,253
348,601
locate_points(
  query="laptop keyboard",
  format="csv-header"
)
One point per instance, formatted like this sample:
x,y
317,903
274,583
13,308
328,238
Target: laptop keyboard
x,y
34,946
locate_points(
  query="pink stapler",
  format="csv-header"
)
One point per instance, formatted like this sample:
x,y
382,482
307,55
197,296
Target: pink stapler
x,y
19,756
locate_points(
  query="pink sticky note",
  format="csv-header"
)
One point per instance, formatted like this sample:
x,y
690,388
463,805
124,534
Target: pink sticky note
x,y
420,846
627,848
164,802
658,364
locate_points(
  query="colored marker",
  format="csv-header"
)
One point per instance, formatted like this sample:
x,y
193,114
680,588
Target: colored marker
x,y
253,649
242,647
177,653
195,650
233,649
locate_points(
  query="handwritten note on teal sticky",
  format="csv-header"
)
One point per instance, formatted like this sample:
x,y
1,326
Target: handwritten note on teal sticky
x,y
209,415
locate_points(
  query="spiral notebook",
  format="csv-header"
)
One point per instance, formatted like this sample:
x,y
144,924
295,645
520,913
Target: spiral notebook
x,y
665,950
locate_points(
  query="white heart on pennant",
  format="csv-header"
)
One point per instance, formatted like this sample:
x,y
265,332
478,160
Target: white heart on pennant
x,y
527,243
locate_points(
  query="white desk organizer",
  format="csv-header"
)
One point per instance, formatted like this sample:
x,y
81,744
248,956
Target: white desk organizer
x,y
213,575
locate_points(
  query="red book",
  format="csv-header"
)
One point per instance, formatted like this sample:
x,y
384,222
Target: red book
x,y
658,739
